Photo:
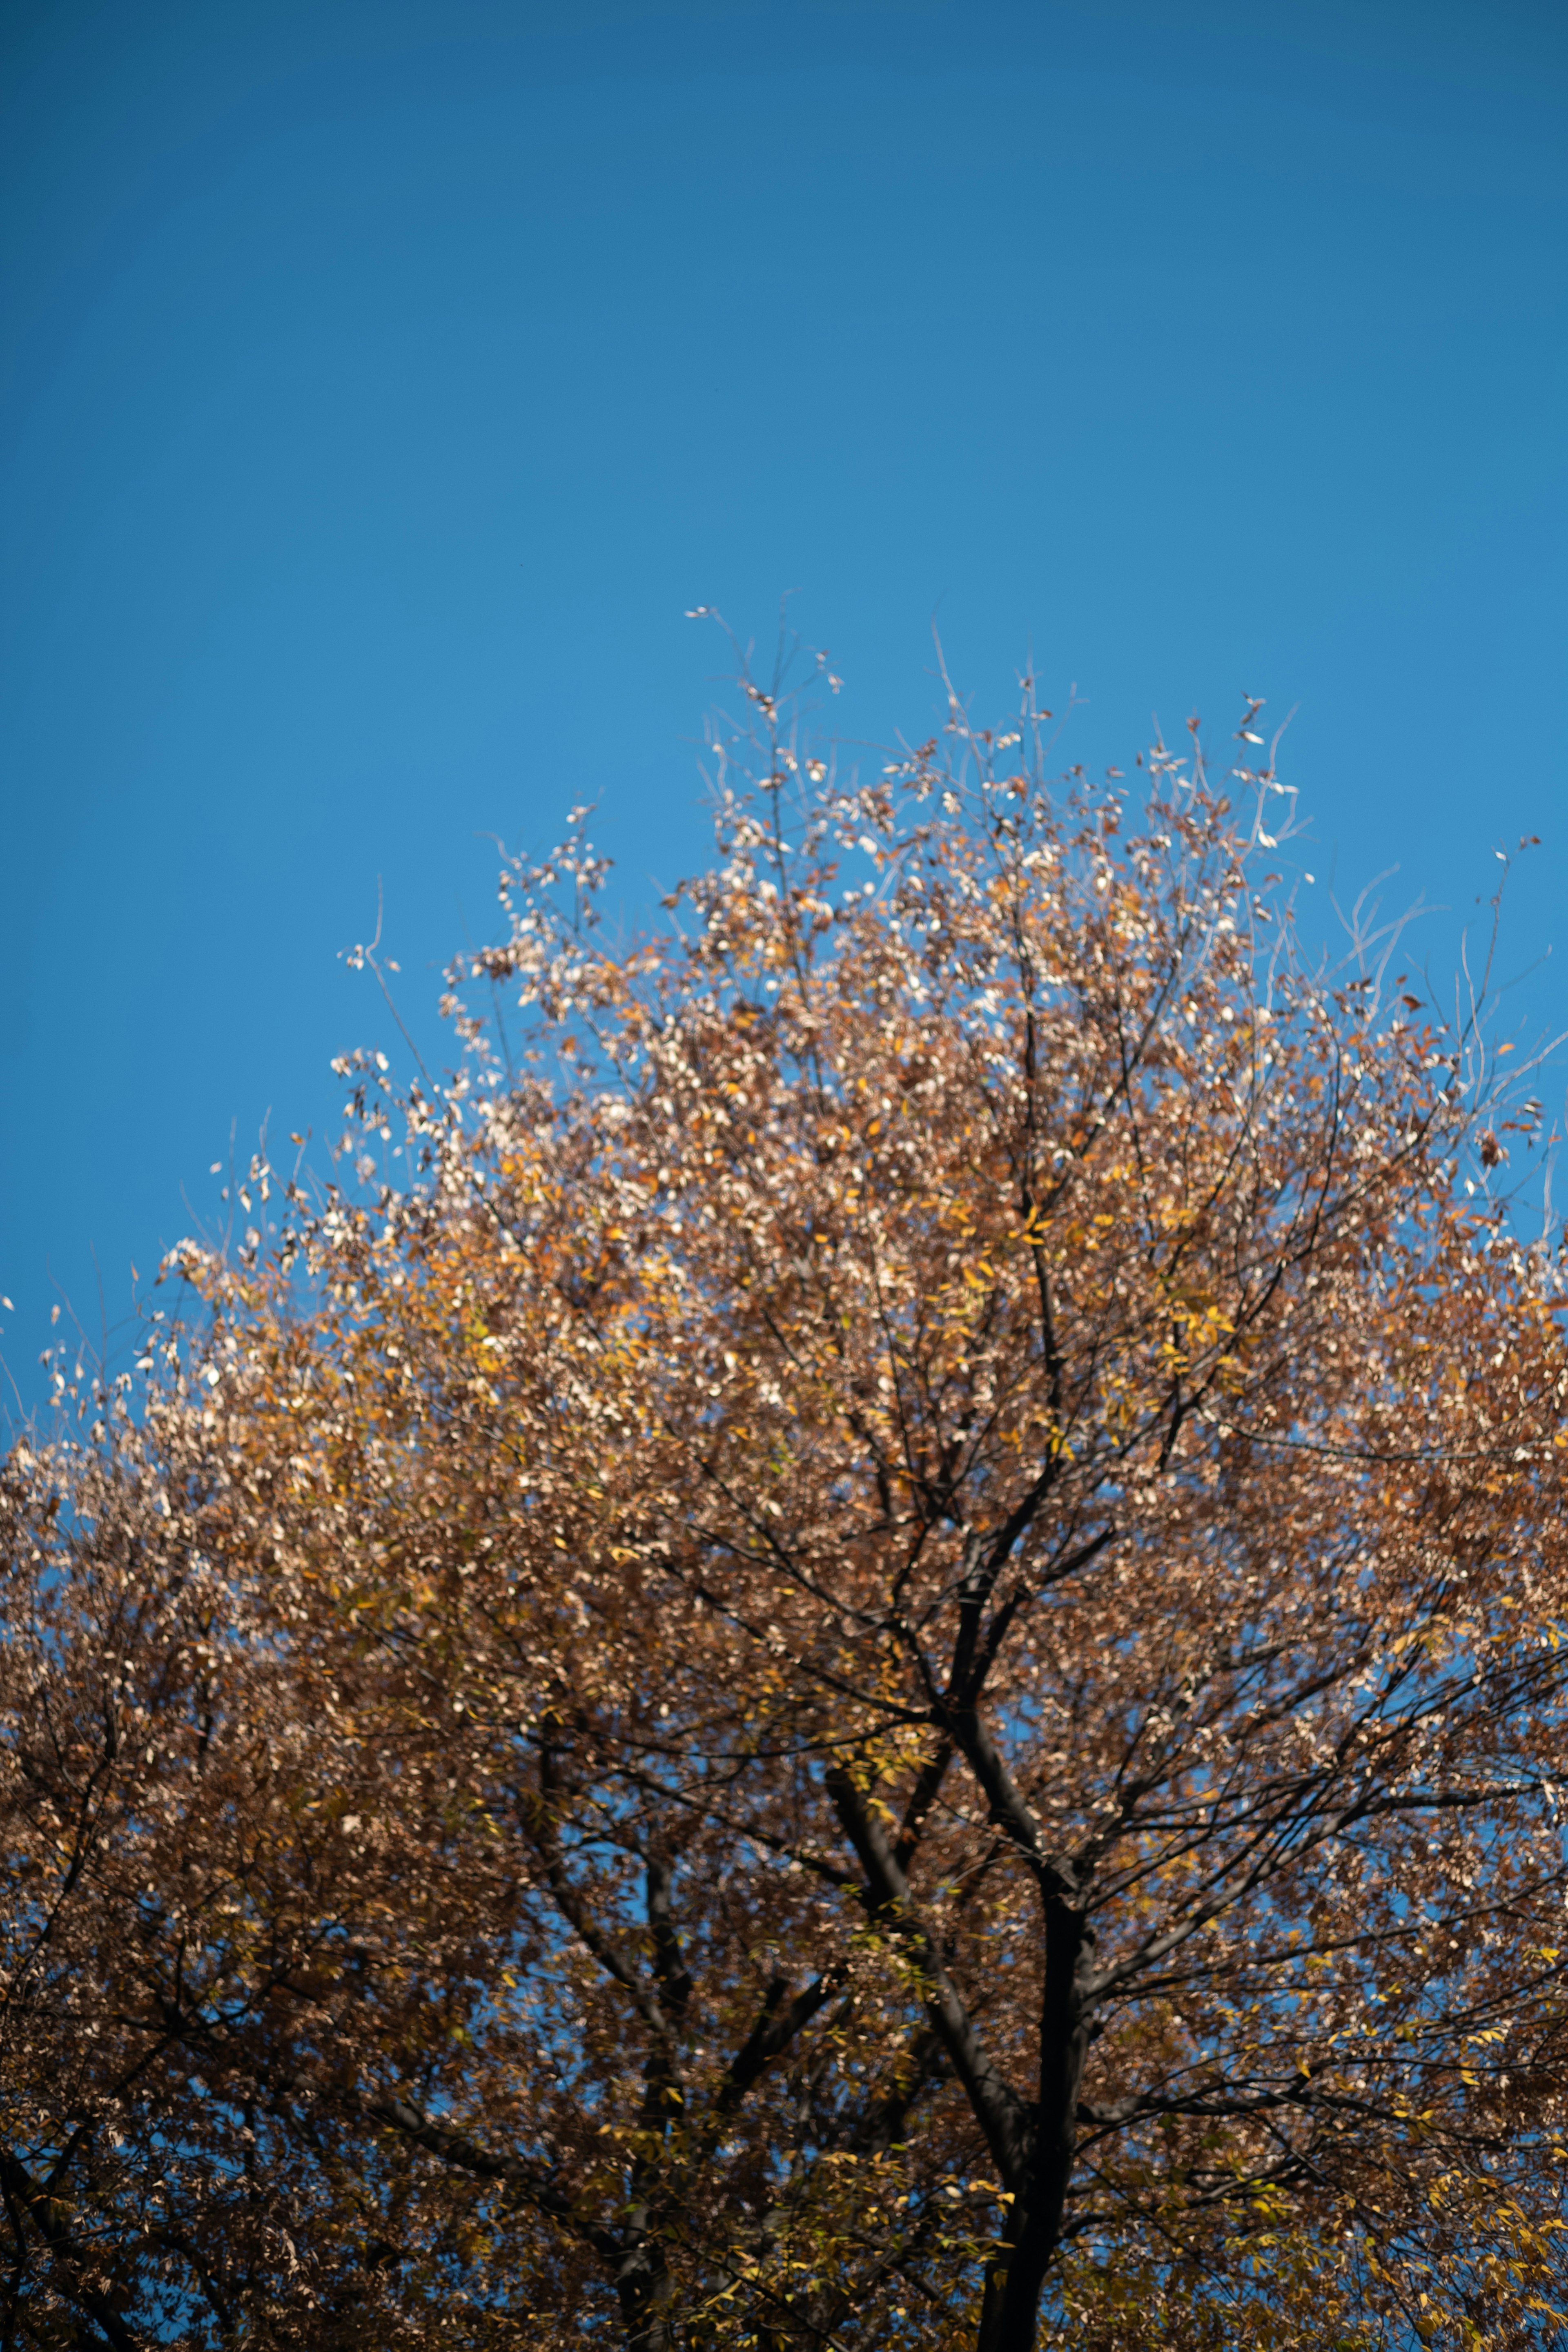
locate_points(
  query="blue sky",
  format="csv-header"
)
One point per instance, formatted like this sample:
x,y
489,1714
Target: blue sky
x,y
380,383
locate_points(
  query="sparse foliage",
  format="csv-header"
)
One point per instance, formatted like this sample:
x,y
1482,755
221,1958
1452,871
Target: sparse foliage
x,y
882,1666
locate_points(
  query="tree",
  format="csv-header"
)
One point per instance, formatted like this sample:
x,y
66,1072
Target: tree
x,y
881,1665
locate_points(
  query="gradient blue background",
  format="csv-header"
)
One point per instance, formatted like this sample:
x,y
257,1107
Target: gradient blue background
x,y
381,382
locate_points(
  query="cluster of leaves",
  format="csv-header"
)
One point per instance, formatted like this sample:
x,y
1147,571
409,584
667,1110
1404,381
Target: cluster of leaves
x,y
882,1666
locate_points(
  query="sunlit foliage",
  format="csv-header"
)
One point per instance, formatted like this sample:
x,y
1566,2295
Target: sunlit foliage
x,y
879,1663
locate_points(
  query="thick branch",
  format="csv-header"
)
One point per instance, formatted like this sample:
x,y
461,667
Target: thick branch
x,y
42,2208
1000,2113
773,2031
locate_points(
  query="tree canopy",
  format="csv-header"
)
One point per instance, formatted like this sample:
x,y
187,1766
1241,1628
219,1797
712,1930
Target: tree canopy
x,y
873,1657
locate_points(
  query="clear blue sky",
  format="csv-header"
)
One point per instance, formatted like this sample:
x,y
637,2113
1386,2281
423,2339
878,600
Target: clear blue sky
x,y
381,382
